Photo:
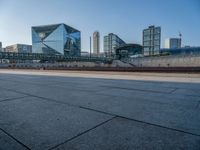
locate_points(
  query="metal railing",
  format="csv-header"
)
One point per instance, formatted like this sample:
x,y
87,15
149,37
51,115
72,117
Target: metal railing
x,y
50,57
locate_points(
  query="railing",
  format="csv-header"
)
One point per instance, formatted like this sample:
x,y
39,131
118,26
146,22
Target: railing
x,y
49,57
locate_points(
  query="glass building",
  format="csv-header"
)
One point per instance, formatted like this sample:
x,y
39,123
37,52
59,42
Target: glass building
x,y
111,42
96,43
129,50
151,40
181,51
58,39
173,43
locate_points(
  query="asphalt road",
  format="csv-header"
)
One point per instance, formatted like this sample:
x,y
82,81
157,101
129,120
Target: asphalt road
x,y
97,110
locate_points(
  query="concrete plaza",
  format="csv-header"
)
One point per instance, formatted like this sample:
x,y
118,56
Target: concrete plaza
x,y
98,111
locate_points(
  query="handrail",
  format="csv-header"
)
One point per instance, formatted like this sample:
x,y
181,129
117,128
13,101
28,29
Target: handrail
x,y
49,57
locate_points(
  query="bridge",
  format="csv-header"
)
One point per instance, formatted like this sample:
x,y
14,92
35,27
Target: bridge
x,y
50,57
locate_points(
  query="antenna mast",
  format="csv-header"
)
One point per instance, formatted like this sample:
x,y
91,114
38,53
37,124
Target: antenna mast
x,y
180,36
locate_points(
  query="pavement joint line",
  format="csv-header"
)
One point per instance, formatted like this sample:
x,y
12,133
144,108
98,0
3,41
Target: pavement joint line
x,y
97,93
50,84
84,132
144,122
12,137
175,89
11,80
83,107
156,125
53,100
12,99
99,111
59,102
133,89
124,97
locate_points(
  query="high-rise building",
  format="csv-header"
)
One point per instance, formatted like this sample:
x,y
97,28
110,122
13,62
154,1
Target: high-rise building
x,y
59,39
96,42
111,42
151,40
19,48
173,43
1,49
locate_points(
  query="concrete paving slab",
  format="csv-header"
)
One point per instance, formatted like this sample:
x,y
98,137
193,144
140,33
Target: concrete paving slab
x,y
8,143
165,113
42,124
9,95
164,98
171,116
169,110
123,134
173,105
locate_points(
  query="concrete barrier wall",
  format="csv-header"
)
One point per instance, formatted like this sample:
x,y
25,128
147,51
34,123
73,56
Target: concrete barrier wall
x,y
115,63
166,61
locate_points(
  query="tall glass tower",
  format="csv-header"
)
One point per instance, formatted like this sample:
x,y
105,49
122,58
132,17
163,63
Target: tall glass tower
x,y
96,42
59,39
151,40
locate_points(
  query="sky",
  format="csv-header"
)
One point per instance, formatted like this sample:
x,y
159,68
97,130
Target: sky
x,y
126,18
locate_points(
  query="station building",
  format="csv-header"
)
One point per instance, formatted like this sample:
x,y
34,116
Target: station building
x,y
180,51
129,50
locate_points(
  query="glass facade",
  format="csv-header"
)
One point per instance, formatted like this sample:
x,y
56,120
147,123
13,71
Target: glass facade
x,y
128,50
96,42
180,51
173,43
151,40
111,42
56,39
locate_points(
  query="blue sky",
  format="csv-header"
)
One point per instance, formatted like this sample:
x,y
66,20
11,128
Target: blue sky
x,y
126,18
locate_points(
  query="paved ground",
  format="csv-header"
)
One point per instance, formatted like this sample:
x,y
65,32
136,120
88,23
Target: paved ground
x,y
103,111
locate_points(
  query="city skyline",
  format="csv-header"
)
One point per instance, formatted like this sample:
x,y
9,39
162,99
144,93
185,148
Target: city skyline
x,y
127,19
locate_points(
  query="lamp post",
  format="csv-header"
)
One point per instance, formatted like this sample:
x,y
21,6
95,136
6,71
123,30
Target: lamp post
x,y
90,46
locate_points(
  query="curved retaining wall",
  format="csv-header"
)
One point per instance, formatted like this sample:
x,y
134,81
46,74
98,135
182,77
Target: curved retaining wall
x,y
166,61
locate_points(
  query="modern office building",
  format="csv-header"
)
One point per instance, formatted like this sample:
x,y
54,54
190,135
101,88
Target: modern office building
x,y
96,42
151,40
173,43
19,48
59,39
111,42
129,50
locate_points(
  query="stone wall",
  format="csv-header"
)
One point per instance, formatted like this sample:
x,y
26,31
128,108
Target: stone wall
x,y
35,65
166,61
